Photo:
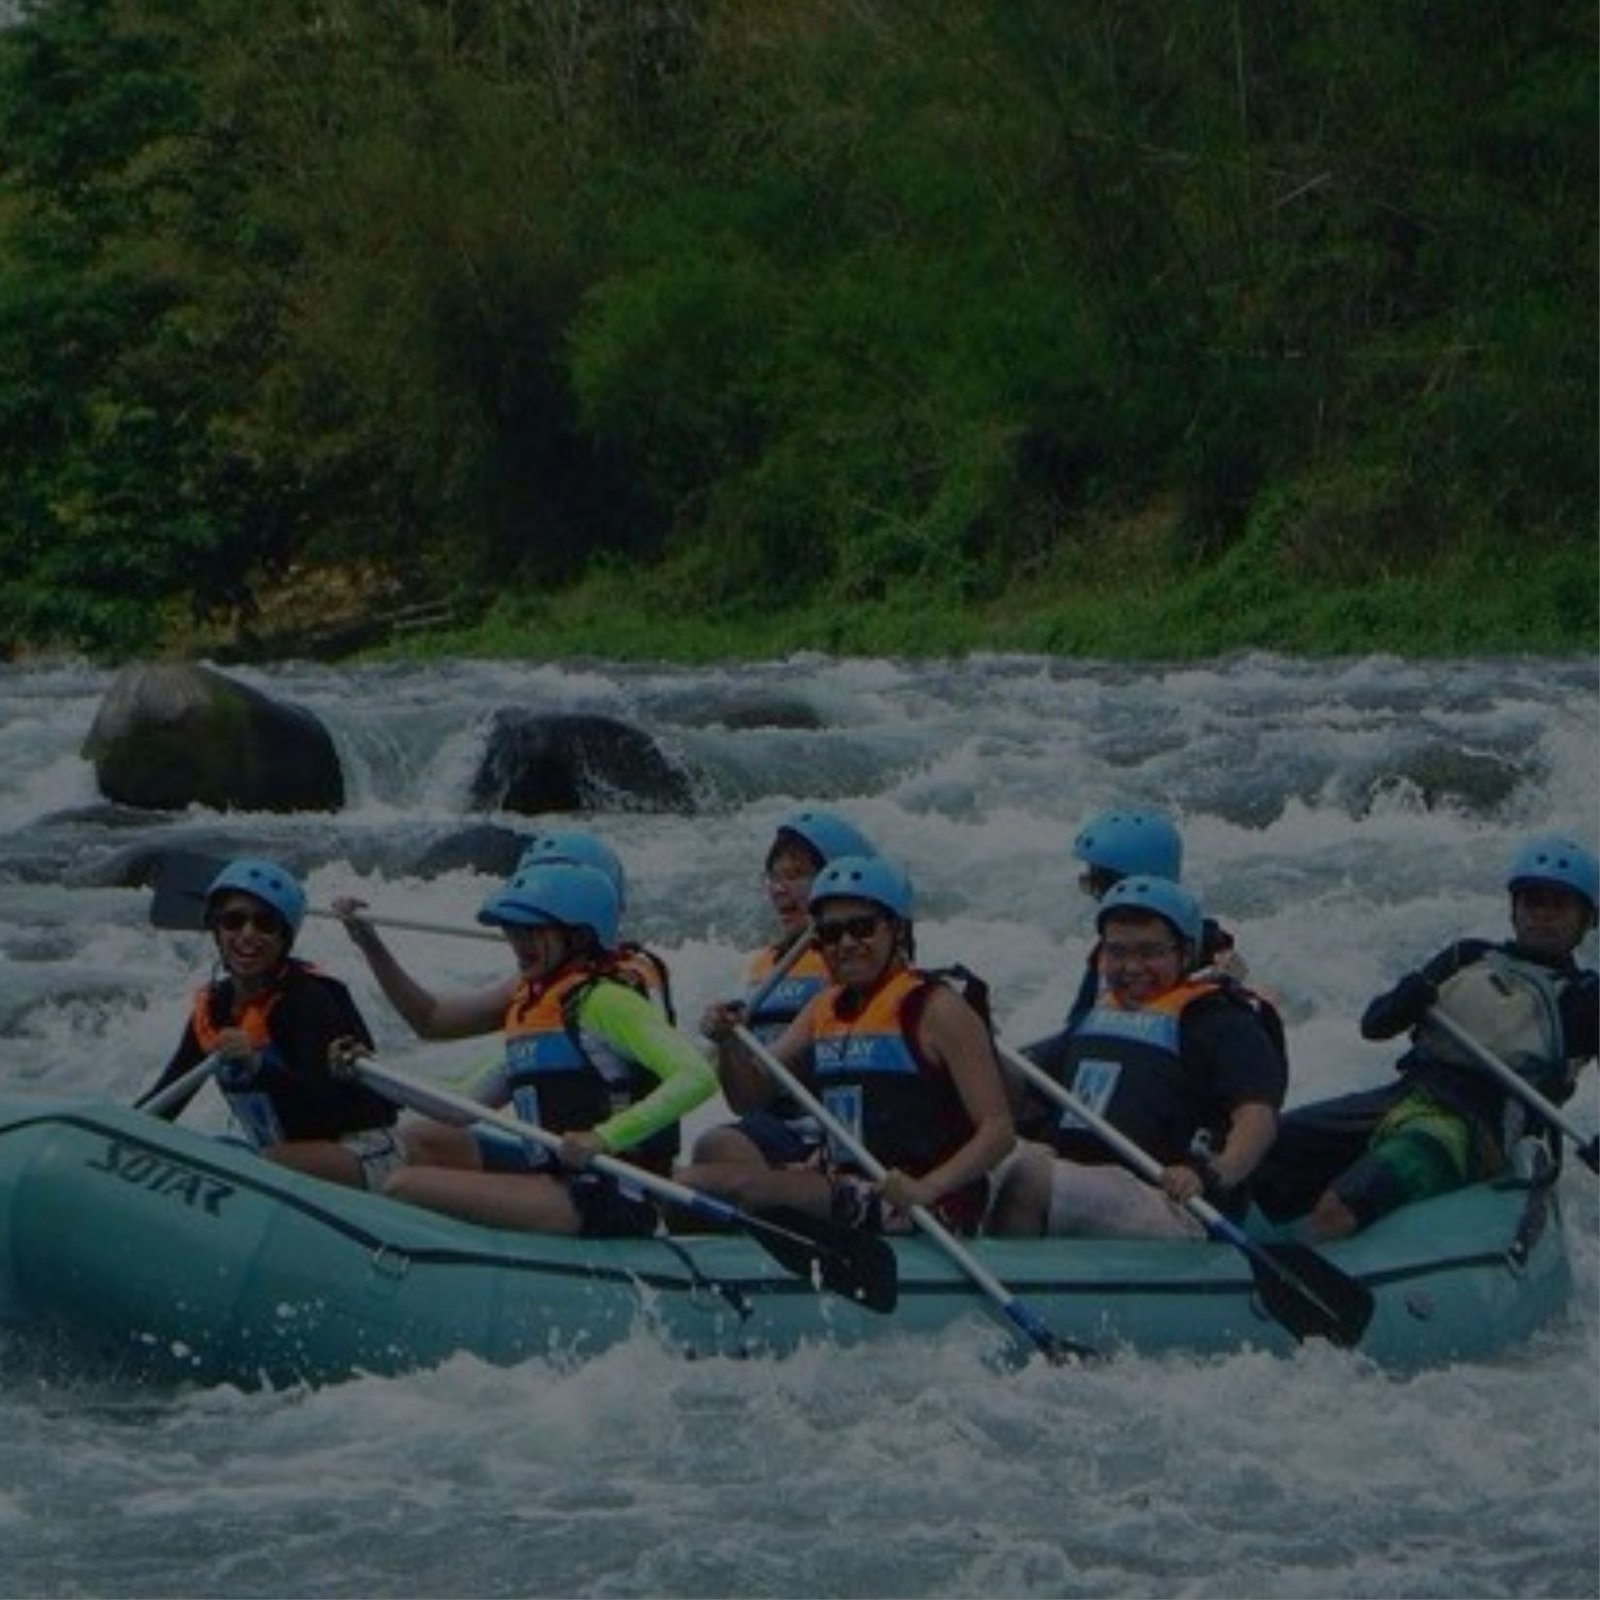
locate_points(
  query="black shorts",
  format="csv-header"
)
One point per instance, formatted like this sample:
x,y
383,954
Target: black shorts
x,y
782,1141
611,1208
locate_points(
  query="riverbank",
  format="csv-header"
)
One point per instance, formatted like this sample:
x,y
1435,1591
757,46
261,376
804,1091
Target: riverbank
x,y
1121,598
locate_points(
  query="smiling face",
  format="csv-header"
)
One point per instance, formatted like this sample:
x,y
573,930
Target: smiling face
x,y
252,940
1549,920
858,940
788,876
540,950
1141,956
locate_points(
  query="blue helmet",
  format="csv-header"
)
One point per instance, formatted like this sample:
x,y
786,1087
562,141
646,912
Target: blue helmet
x,y
562,894
1554,858
826,835
864,878
573,845
1130,842
271,884
1160,897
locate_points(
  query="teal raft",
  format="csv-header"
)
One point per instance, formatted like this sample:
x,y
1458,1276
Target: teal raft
x,y
183,1257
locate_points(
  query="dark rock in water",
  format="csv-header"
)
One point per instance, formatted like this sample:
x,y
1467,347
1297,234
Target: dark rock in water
x,y
480,847
1475,781
103,814
411,853
539,761
758,710
139,866
169,736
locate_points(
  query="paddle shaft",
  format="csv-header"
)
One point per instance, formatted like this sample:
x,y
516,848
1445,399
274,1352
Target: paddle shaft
x,y
1304,1291
180,1089
785,963
407,925
1135,1156
1588,1145
1016,1312
185,881
448,1106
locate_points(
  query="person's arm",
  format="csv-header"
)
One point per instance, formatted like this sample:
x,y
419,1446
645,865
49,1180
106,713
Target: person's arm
x,y
1219,953
952,1035
317,1009
1252,1128
187,1054
316,1013
1403,1007
1227,1046
1088,989
636,1028
746,1083
1580,1018
429,1016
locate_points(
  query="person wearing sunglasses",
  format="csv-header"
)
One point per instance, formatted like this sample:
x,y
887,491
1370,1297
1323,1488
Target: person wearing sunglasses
x,y
895,1054
780,1133
587,1056
1443,1121
1183,1062
271,1019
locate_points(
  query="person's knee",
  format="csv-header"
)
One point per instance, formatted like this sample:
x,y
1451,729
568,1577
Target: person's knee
x,y
720,1178
1397,1171
433,1144
1331,1218
404,1183
426,1142
327,1161
725,1143
1022,1200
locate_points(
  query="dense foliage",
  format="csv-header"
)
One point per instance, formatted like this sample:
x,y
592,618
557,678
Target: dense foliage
x,y
810,303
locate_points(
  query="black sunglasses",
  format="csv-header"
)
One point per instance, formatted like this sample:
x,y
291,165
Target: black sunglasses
x,y
859,928
238,921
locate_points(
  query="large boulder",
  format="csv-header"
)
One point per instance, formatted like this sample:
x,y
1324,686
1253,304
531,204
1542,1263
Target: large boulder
x,y
535,762
479,847
172,735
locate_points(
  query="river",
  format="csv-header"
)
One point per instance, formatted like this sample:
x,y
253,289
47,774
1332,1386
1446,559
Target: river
x,y
1344,818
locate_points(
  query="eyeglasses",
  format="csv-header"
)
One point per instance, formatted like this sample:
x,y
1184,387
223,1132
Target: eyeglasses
x,y
1151,950
794,878
1544,898
858,928
237,921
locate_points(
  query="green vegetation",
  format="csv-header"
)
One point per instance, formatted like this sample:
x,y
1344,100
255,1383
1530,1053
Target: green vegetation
x,y
729,327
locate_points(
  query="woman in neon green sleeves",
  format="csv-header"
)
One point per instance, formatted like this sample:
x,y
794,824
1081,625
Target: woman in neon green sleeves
x,y
587,1056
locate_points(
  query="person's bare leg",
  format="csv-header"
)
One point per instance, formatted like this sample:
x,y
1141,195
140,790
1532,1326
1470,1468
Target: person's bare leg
x,y
531,1201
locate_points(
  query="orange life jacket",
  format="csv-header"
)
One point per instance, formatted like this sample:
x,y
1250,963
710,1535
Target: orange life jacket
x,y
560,1082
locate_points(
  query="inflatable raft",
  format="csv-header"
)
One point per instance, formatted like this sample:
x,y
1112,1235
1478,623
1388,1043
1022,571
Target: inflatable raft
x,y
185,1257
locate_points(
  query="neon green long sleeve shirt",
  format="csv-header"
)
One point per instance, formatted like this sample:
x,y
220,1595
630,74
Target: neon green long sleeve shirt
x,y
634,1027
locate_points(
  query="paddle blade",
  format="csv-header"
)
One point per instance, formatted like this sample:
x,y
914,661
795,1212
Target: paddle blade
x,y
179,898
1309,1295
859,1266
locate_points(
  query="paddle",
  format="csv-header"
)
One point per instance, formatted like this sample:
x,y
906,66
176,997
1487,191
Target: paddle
x,y
1304,1291
780,971
179,900
179,1090
1587,1145
1017,1313
862,1269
